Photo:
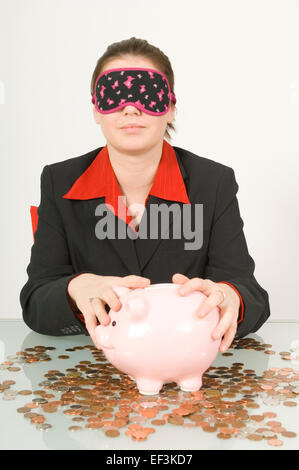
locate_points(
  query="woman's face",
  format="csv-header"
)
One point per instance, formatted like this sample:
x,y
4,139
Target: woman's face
x,y
154,126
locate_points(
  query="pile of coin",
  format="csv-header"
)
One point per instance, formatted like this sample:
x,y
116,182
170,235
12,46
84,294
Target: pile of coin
x,y
97,396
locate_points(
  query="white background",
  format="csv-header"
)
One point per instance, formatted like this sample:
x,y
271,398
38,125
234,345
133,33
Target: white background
x,y
243,111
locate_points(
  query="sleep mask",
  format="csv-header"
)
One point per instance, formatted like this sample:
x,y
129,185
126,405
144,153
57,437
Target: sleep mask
x,y
146,89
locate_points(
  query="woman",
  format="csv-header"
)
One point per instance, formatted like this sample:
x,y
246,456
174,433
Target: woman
x,y
74,264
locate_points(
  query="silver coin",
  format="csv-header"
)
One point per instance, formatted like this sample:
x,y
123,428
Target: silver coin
x,y
148,404
248,430
61,388
268,434
271,402
45,383
39,400
12,393
4,366
43,426
76,407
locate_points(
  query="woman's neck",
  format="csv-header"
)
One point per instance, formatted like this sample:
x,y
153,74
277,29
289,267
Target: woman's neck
x,y
135,172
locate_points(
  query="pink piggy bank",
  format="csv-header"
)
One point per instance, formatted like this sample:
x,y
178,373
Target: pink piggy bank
x,y
156,337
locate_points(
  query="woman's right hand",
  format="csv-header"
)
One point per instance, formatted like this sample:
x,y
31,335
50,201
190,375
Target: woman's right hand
x,y
88,285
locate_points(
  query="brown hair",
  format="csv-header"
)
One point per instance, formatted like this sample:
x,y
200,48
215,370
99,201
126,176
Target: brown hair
x,y
137,47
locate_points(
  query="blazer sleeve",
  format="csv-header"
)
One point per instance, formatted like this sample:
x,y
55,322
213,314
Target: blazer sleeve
x,y
229,260
46,307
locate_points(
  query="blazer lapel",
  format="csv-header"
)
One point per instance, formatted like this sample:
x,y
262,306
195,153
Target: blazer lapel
x,y
124,247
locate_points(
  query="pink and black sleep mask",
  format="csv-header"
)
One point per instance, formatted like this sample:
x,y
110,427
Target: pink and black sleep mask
x,y
147,89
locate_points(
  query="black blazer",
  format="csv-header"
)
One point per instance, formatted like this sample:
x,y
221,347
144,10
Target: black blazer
x,y
66,244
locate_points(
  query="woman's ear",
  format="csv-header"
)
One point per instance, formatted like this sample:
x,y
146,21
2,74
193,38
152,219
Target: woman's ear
x,y
171,113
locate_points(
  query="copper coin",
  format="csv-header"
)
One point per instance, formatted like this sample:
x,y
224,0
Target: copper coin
x,y
94,425
275,442
13,369
255,437
25,392
8,382
223,436
288,434
38,419
31,405
22,410
274,423
269,414
209,428
159,422
289,403
112,433
49,408
177,420
63,356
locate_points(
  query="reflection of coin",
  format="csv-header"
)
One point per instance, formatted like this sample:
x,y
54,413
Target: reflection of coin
x,y
75,428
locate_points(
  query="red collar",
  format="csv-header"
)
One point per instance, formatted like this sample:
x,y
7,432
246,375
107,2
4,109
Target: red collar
x,y
99,180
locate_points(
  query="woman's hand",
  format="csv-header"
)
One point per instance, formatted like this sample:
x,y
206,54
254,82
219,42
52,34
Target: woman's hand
x,y
229,307
88,286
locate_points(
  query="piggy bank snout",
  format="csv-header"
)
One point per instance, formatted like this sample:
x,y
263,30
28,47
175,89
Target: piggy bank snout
x,y
103,337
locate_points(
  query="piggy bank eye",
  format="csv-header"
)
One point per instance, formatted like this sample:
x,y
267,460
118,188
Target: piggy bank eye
x,y
113,323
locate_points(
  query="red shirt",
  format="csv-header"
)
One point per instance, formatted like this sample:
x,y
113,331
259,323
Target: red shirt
x,y
99,180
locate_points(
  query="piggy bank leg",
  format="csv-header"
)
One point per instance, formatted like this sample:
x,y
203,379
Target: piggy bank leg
x,y
191,385
148,386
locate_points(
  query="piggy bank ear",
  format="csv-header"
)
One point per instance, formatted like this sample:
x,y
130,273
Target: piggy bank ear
x,y
138,307
120,290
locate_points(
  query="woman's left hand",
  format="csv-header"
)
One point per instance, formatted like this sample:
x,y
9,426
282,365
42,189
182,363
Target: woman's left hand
x,y
228,308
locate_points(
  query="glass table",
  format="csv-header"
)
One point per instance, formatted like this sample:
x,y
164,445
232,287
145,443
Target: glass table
x,y
180,432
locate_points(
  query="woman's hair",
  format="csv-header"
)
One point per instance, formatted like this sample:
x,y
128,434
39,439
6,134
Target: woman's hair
x,y
136,47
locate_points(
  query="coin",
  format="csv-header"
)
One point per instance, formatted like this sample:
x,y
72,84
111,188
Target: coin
x,y
22,410
223,436
158,422
275,442
43,426
288,434
25,392
38,419
255,437
289,403
112,433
